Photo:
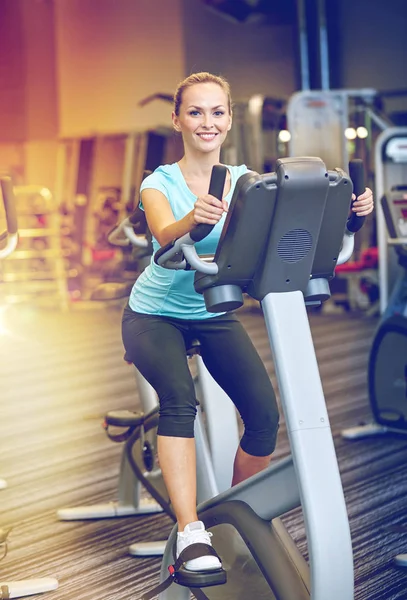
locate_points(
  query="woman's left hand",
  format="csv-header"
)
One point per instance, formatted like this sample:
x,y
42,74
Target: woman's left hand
x,y
364,204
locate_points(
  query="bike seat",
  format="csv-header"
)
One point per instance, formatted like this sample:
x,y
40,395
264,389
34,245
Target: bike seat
x,y
194,347
124,418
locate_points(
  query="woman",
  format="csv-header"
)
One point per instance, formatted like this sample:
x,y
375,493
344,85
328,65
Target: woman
x,y
164,312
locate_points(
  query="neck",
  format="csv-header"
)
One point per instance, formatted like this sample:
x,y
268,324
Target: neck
x,y
194,165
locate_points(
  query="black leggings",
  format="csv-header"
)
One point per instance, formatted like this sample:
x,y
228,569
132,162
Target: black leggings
x,y
157,347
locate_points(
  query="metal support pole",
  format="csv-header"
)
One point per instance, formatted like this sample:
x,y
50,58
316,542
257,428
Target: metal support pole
x,y
323,45
303,45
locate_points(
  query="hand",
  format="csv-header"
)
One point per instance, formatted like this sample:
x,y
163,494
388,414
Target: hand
x,y
364,204
208,209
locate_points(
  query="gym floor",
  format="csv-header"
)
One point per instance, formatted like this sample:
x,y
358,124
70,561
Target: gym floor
x,y
61,372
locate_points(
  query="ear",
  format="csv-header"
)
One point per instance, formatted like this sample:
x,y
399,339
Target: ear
x,y
230,123
175,122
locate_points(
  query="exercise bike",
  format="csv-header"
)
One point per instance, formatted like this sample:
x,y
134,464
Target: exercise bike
x,y
215,446
387,370
8,243
283,236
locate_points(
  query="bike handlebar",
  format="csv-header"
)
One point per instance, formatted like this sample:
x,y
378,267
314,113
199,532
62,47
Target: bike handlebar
x,y
166,253
357,175
216,187
181,254
354,223
123,235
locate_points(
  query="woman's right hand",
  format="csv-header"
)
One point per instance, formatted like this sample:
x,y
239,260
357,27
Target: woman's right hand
x,y
208,209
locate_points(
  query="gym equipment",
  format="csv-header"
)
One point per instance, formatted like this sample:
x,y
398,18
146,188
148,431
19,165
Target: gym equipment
x,y
9,237
390,170
312,113
362,281
131,231
215,446
27,587
113,160
8,242
281,241
386,372
35,271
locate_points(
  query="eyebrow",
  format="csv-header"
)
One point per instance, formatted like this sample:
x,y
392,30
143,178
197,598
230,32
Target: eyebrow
x,y
200,108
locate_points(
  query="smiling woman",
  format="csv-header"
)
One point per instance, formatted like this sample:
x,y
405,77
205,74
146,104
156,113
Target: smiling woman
x,y
165,313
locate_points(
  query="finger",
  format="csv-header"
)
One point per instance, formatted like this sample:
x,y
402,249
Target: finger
x,y
225,205
208,221
209,199
213,211
364,200
360,203
366,194
364,213
208,215
368,210
209,209
368,207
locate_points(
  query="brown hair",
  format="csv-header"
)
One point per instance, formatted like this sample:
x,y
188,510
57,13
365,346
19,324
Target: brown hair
x,y
201,78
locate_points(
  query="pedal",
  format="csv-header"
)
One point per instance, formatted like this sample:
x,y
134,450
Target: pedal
x,y
200,579
190,579
196,579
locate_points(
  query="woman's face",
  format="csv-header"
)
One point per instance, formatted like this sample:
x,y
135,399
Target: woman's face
x,y
204,117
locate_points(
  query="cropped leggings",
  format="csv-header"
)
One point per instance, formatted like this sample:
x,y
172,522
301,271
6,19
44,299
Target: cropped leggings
x,y
157,347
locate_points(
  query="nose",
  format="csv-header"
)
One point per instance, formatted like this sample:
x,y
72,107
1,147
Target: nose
x,y
207,121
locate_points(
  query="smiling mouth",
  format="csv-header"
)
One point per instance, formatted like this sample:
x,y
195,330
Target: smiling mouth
x,y
207,136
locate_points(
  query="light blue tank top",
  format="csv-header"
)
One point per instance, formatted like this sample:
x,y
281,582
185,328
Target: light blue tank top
x,y
166,292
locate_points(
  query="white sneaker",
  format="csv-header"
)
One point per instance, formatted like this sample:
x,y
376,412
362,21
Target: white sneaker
x,y
195,533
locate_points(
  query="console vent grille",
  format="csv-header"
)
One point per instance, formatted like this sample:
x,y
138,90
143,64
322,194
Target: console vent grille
x,y
294,245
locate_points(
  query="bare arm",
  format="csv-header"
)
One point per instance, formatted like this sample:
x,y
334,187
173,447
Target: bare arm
x,y
161,220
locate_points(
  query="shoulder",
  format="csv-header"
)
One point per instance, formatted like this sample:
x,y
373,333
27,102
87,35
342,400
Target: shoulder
x,y
237,170
161,178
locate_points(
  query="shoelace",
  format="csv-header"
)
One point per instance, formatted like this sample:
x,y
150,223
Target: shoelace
x,y
195,537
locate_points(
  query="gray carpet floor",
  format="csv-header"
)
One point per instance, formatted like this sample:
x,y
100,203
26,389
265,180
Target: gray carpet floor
x,y
60,373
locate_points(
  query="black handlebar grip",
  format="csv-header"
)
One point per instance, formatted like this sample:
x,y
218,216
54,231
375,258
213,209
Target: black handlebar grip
x,y
163,250
138,217
357,175
139,221
216,186
9,204
217,182
134,217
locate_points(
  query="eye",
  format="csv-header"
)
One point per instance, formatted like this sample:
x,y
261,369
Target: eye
x,y
193,113
219,113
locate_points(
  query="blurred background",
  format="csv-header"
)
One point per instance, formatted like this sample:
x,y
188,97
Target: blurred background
x,y
85,107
